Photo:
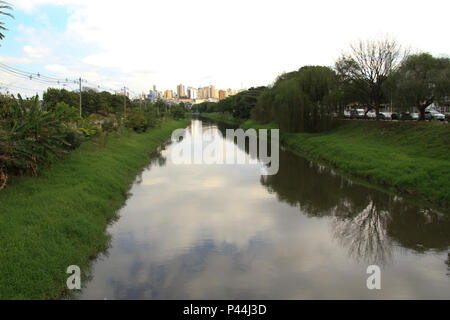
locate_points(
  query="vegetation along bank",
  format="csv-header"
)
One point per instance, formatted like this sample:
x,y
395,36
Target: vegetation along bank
x,y
59,218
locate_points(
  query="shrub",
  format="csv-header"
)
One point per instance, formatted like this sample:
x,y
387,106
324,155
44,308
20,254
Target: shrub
x,y
178,112
137,121
70,113
74,139
88,128
110,125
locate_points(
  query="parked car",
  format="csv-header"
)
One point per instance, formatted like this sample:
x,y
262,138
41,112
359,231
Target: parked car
x,y
347,114
371,115
434,115
406,116
357,114
361,113
395,116
415,116
386,115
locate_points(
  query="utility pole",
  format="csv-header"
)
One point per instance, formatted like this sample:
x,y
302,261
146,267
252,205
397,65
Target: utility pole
x,y
80,100
125,101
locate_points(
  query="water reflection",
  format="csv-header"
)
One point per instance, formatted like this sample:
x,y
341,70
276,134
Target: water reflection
x,y
225,232
448,264
366,221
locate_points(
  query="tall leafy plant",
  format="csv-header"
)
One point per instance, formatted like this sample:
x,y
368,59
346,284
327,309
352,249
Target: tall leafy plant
x,y
30,136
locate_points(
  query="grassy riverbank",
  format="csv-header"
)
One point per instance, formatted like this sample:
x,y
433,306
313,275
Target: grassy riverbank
x,y
59,218
406,157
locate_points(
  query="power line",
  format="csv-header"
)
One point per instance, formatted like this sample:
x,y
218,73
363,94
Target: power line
x,y
41,79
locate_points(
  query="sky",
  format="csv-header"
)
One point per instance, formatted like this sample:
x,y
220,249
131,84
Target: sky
x,y
229,44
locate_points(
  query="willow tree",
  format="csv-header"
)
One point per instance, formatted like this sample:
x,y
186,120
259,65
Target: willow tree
x,y
367,68
4,6
300,101
423,80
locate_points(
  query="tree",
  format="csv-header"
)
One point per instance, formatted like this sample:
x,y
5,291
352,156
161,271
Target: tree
x,y
300,101
4,6
367,68
178,112
422,80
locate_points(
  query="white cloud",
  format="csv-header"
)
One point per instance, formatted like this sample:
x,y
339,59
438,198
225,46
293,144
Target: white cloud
x,y
14,60
29,31
57,68
237,41
34,52
29,5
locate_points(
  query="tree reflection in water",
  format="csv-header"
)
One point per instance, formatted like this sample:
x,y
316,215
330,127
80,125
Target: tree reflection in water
x,y
365,235
366,221
448,264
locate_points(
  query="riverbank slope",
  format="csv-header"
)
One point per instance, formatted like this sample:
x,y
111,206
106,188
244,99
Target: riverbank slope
x,y
406,157
59,218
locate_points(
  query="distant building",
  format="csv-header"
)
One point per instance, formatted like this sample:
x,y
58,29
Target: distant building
x,y
180,91
212,92
168,94
192,93
222,94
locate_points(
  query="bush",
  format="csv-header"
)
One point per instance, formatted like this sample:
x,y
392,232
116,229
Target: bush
x,y
178,112
137,121
88,128
74,139
110,125
70,113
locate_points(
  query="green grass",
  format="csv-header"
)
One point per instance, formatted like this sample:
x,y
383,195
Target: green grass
x,y
60,218
410,158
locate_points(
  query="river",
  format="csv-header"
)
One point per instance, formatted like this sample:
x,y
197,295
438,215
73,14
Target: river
x,y
226,232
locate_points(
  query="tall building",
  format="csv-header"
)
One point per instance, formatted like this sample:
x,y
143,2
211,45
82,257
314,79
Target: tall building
x,y
180,91
168,94
222,94
212,92
192,93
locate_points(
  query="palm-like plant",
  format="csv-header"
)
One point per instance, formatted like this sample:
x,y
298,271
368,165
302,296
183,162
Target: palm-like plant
x,y
30,136
3,7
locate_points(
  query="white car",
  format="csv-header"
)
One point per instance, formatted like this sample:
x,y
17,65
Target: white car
x,y
415,116
386,115
437,115
360,113
371,115
347,113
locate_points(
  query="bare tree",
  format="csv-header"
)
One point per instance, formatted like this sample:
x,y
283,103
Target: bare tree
x,y
368,66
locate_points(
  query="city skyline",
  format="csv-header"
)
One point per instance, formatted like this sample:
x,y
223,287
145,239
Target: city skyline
x,y
185,93
73,38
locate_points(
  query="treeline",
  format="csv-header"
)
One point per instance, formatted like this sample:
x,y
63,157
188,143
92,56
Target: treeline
x,y
34,133
374,73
